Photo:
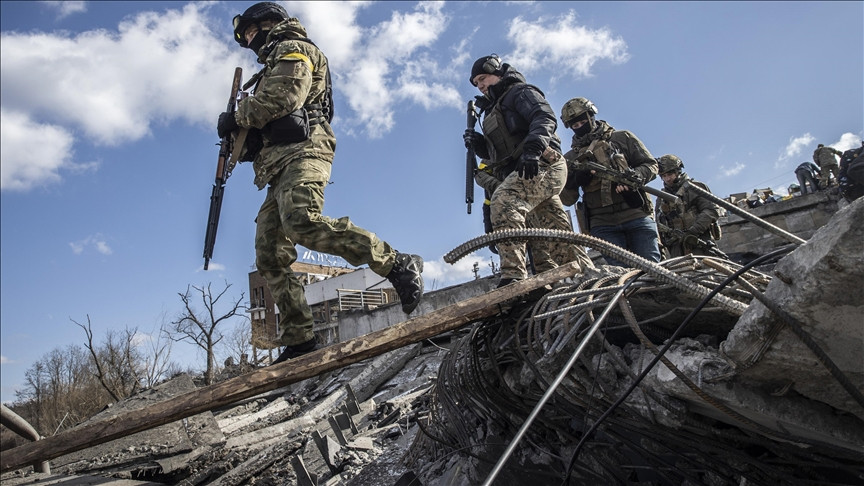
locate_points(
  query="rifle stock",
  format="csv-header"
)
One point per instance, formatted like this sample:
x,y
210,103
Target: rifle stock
x,y
223,171
470,160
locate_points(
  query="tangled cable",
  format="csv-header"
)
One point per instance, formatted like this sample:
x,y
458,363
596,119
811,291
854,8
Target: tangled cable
x,y
602,424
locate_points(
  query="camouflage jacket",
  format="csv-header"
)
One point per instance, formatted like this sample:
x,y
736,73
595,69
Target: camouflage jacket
x,y
693,214
294,75
824,156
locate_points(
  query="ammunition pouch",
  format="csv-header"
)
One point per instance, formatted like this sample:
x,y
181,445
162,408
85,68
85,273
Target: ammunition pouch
x,y
252,146
633,198
715,231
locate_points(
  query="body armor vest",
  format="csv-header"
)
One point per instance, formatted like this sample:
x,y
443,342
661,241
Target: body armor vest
x,y
606,155
505,148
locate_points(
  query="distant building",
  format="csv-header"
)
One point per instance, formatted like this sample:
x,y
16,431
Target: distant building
x,y
330,290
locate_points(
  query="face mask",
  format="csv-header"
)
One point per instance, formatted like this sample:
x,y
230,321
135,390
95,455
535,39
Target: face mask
x,y
258,40
585,128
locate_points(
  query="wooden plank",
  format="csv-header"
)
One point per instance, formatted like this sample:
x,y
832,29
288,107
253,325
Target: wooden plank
x,y
265,379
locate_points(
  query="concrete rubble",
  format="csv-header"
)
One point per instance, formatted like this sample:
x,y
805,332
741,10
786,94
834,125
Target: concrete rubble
x,y
738,399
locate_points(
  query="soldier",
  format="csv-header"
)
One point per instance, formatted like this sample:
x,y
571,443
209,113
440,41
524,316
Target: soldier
x,y
524,154
807,174
827,162
689,226
851,178
614,212
294,165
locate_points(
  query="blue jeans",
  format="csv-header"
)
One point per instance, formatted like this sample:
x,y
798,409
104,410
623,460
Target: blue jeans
x,y
639,236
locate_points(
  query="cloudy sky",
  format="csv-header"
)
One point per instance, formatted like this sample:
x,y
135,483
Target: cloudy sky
x,y
109,109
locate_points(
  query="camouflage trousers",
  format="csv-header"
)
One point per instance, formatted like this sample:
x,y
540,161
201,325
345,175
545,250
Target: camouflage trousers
x,y
291,215
825,174
519,203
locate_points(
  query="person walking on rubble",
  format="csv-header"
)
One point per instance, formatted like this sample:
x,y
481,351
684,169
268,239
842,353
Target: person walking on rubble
x,y
807,174
614,212
524,154
825,158
690,225
294,165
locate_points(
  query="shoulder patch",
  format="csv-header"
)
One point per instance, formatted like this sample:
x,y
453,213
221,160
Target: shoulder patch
x,y
296,56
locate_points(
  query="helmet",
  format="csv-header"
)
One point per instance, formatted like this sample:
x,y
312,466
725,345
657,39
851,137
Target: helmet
x,y
256,13
669,163
576,108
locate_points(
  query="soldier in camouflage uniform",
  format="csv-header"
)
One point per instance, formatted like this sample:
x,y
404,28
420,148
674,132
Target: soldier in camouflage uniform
x,y
693,218
614,212
525,168
827,162
294,164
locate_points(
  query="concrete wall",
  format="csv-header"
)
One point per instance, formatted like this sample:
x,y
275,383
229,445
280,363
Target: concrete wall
x,y
801,216
357,323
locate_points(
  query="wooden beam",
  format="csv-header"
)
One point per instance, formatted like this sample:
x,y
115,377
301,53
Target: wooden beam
x,y
265,379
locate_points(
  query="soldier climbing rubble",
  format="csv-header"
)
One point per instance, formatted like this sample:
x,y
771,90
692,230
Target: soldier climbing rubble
x,y
690,226
524,169
292,159
615,212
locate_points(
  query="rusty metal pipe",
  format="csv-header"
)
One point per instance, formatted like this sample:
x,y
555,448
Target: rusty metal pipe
x,y
16,424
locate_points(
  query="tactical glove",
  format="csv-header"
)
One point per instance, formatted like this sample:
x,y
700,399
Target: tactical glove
x,y
472,139
226,124
527,169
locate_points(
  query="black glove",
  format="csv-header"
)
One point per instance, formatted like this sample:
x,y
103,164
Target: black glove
x,y
527,168
472,139
226,124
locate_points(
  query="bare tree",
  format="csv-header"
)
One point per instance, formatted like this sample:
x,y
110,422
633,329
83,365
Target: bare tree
x,y
238,342
201,328
117,362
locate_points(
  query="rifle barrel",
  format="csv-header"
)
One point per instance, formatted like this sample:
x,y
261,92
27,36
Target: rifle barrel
x,y
225,152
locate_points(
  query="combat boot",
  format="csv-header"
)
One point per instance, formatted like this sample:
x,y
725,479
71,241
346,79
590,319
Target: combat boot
x,y
406,279
297,350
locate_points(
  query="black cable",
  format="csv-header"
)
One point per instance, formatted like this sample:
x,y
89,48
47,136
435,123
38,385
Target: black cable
x,y
693,313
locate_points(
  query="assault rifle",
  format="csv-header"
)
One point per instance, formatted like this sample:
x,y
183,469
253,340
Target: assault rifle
x,y
679,236
224,165
587,161
470,160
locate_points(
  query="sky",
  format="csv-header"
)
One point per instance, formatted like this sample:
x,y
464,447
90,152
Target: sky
x,y
108,140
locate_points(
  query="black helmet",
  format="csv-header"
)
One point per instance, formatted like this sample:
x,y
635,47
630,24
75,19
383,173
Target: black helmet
x,y
256,13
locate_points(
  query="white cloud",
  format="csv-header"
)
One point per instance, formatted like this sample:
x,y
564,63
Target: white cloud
x,y
847,141
67,7
31,153
97,242
397,72
444,274
110,86
5,360
561,42
732,171
794,148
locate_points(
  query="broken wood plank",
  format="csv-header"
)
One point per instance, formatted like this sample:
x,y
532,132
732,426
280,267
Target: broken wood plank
x,y
326,359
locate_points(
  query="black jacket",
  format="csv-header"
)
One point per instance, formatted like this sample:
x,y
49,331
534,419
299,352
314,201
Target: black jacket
x,y
527,114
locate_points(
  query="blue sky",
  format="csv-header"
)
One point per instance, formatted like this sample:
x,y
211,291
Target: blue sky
x,y
109,110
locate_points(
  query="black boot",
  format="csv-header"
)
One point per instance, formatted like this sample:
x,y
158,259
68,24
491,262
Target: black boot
x,y
406,279
291,352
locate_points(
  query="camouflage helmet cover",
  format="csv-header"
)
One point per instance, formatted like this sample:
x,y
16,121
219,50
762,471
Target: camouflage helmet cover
x,y
669,163
257,13
575,108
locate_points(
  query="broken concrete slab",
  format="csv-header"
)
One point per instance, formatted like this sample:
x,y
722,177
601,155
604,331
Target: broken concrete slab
x,y
820,286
